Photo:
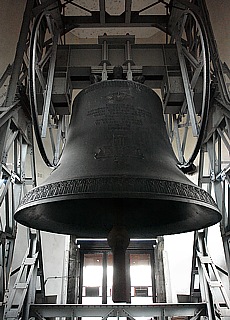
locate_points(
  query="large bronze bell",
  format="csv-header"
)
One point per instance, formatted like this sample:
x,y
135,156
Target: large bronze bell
x,y
118,166
117,170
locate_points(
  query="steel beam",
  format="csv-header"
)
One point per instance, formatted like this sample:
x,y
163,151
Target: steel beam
x,y
93,21
154,310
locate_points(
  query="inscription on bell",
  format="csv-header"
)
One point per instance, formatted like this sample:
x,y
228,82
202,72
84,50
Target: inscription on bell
x,y
121,148
120,109
119,116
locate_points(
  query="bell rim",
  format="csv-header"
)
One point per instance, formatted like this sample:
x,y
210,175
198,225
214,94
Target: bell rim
x,y
117,187
97,223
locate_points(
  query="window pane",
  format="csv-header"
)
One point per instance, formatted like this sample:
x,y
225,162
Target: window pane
x,y
92,278
140,275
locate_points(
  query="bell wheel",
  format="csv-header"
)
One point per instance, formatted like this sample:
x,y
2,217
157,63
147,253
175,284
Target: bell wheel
x,y
186,128
49,126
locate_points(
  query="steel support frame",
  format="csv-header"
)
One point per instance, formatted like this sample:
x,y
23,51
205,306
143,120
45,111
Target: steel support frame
x,y
217,181
19,181
18,152
17,166
215,147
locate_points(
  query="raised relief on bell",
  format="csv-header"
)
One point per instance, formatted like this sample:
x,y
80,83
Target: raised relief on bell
x,y
118,96
121,148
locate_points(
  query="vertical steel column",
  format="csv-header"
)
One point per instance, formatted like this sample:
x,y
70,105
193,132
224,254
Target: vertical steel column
x,y
205,290
4,131
104,278
72,271
128,60
105,60
19,53
153,274
30,297
128,279
214,162
160,277
81,265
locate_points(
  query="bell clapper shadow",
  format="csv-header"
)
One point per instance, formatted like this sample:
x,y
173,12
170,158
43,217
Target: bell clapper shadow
x,y
118,240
